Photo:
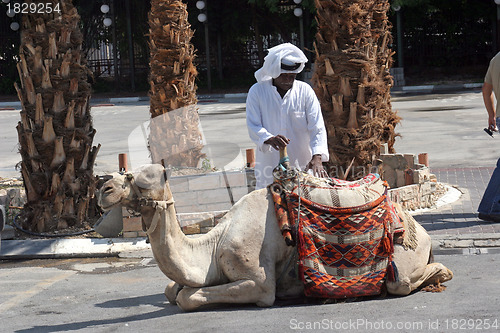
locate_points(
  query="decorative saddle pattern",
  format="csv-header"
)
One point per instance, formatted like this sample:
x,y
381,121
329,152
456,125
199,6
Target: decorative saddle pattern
x,y
344,251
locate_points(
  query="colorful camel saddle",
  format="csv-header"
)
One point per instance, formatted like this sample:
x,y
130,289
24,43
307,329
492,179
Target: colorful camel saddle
x,y
343,232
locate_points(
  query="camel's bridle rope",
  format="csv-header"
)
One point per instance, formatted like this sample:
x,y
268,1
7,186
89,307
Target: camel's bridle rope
x,y
158,205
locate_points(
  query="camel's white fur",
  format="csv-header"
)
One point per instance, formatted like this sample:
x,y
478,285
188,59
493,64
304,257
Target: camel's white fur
x,y
244,258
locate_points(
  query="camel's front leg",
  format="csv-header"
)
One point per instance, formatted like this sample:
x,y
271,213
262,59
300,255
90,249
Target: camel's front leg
x,y
242,291
171,292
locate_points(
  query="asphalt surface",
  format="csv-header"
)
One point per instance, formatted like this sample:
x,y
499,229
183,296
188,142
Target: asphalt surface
x,y
126,295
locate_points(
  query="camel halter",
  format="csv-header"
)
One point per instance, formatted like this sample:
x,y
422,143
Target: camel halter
x,y
158,205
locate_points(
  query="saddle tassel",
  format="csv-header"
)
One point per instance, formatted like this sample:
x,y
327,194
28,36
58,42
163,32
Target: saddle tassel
x,y
392,272
387,243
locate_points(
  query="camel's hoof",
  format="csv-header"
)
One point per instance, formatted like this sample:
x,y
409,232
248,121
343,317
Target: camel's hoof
x,y
171,292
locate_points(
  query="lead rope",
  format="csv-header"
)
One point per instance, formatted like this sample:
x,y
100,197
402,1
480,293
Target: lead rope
x,y
295,231
298,209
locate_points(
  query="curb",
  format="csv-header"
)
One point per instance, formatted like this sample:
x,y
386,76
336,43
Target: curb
x,y
70,248
437,88
466,241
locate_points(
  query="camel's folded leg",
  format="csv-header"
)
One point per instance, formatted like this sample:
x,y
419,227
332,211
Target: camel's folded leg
x,y
171,292
433,273
242,291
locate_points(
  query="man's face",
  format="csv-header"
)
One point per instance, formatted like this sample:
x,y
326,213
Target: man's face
x,y
285,81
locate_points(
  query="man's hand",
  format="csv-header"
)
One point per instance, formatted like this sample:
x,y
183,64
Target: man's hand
x,y
317,167
278,141
492,125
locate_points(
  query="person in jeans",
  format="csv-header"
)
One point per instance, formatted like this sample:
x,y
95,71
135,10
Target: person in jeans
x,y
489,207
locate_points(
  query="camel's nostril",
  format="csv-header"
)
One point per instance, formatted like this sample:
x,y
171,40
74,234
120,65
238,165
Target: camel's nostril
x,y
107,190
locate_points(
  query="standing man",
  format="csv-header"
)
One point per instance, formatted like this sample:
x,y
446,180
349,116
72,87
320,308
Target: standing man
x,y
283,112
489,208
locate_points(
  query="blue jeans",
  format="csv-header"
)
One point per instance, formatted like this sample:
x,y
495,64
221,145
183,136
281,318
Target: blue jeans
x,y
490,204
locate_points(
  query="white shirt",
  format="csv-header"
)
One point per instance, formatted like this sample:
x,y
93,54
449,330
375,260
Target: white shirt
x,y
296,116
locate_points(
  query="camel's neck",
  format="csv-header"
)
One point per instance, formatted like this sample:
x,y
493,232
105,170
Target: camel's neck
x,y
185,260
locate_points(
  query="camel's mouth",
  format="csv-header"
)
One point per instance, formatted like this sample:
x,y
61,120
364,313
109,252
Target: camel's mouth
x,y
107,202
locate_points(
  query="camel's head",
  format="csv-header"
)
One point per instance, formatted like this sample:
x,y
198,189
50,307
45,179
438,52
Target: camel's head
x,y
132,190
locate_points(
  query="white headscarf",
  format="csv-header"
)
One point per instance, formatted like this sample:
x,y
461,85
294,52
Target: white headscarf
x,y
287,54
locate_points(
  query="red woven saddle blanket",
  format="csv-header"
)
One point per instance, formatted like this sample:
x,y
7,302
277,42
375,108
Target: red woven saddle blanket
x,y
343,251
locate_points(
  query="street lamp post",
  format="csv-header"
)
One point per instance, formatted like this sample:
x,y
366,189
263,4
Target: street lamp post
x,y
108,21
299,13
397,9
202,17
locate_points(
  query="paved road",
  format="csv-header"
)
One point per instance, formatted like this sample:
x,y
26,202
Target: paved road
x,y
126,295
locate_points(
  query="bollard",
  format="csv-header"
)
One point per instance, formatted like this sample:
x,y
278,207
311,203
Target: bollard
x,y
122,162
250,158
423,158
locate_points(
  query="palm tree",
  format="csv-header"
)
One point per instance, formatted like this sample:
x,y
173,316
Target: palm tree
x,y
352,81
174,136
55,131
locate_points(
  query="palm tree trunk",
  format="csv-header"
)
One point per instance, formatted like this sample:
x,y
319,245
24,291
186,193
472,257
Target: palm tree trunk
x,y
352,81
175,136
55,131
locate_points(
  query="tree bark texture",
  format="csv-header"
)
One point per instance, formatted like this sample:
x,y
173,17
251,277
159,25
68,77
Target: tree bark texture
x,y
175,135
352,81
55,131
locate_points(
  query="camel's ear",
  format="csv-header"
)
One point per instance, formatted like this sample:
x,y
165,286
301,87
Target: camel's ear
x,y
150,176
167,173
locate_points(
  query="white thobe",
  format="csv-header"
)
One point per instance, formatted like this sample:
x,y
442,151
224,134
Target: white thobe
x,y
296,116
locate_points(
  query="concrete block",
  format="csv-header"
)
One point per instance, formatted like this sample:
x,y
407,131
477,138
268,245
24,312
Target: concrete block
x,y
132,224
179,184
111,223
220,195
184,198
427,188
239,192
218,216
130,234
464,243
389,175
218,206
191,208
204,219
191,229
235,178
204,230
421,175
8,232
400,178
487,243
205,182
411,159
407,193
250,179
395,161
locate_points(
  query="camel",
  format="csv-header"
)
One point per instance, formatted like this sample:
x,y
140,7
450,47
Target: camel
x,y
244,259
